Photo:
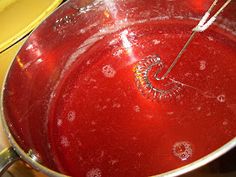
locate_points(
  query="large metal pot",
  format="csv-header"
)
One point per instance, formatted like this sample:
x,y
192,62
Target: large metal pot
x,y
42,67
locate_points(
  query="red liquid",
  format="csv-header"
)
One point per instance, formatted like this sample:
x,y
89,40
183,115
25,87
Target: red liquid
x,y
104,123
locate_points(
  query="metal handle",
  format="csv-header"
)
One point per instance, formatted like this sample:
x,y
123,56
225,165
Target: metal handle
x,y
7,157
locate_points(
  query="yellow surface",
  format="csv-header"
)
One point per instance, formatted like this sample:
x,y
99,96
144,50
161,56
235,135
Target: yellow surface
x,y
5,3
6,59
19,17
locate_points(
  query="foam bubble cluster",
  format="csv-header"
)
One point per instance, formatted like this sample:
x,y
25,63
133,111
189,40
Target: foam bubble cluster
x,y
94,172
71,116
202,65
182,150
221,98
65,141
108,71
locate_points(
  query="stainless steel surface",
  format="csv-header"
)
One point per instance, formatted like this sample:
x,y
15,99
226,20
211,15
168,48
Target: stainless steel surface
x,y
176,172
7,157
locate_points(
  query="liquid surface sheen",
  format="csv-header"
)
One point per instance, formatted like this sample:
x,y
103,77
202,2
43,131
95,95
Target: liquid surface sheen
x,y
111,116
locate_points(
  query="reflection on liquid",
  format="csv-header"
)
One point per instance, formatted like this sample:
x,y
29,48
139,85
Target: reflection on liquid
x,y
128,46
111,6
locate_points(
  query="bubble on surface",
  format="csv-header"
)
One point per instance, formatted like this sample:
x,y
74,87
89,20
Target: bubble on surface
x,y
208,114
59,122
98,107
113,161
93,123
39,60
118,53
208,94
136,108
199,108
88,62
114,41
62,23
94,172
132,34
188,74
177,17
108,99
149,116
71,116
170,113
82,31
93,130
221,98
225,122
108,71
182,150
102,153
116,105
210,38
104,107
92,80
156,42
30,46
202,65
64,141
139,154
